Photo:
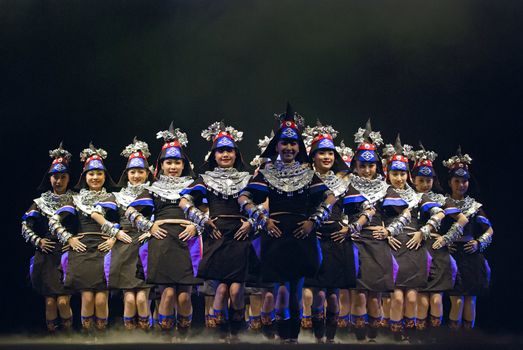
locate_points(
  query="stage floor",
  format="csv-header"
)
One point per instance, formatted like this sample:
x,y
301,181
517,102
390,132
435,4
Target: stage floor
x,y
122,340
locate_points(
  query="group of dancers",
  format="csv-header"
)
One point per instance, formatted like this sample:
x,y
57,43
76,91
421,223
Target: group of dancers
x,y
368,238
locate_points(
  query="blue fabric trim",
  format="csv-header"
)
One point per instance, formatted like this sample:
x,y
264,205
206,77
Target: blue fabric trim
x,y
483,220
452,210
68,209
142,202
394,202
31,214
429,205
257,187
321,187
354,199
201,188
108,205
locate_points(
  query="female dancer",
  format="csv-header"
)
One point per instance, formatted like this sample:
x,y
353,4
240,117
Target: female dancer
x,y
442,267
168,258
363,202
293,190
226,245
338,265
45,274
473,269
97,218
121,261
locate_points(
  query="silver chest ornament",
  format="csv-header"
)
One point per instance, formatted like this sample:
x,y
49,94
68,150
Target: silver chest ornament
x,y
168,188
226,181
336,184
468,206
128,194
373,190
85,200
410,196
49,203
288,178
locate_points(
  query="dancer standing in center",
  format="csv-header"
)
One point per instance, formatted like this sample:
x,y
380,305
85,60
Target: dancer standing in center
x,y
172,252
226,244
338,268
299,202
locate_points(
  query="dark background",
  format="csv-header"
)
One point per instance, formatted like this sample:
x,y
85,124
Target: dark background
x,y
445,72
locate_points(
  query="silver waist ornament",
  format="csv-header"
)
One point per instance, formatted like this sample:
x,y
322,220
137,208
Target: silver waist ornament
x,y
288,178
373,190
168,188
49,203
409,195
336,184
128,194
468,206
85,201
226,181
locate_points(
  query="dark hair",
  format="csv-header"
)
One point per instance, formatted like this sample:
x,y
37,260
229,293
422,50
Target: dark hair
x,y
108,183
338,165
124,179
211,163
379,166
187,170
45,185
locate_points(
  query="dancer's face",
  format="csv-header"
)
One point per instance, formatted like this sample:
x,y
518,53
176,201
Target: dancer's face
x,y
59,182
95,179
323,160
173,167
366,170
459,186
288,150
225,157
398,178
423,184
136,176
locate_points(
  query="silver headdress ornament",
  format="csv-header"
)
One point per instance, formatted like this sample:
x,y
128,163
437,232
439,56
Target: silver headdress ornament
x,y
458,158
423,154
262,145
344,151
173,134
136,146
289,113
367,135
60,153
311,132
404,150
217,127
91,151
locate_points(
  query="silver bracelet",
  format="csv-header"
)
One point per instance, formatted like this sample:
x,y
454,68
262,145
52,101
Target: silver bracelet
x,y
455,231
484,241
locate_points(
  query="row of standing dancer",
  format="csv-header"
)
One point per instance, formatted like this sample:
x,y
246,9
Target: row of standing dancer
x,y
312,217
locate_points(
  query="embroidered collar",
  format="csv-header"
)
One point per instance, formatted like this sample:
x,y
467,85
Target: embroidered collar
x,y
338,185
436,197
373,190
409,195
49,202
468,206
288,178
226,181
129,193
169,187
86,199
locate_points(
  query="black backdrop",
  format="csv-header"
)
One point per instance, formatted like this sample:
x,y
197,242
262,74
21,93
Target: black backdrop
x,y
445,72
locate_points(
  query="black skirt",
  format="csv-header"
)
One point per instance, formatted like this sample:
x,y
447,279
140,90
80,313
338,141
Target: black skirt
x,y
84,271
413,264
338,267
121,263
45,272
288,258
443,269
225,259
473,276
170,261
377,265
